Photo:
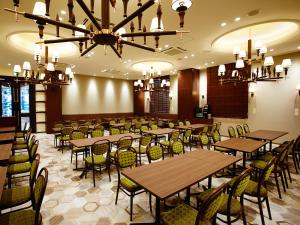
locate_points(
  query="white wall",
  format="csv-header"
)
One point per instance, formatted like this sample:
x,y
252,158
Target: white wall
x,y
92,95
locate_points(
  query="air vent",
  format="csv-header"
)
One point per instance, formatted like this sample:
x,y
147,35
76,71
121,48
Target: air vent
x,y
174,51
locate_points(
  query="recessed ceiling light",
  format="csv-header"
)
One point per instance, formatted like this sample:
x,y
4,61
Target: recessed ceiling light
x,y
112,76
212,62
298,47
223,24
206,64
199,67
63,12
159,49
237,19
192,55
166,46
185,56
60,19
129,60
94,75
9,64
271,50
125,62
127,78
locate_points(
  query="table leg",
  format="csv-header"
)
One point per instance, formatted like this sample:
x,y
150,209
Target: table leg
x,y
244,160
157,211
270,145
188,195
209,182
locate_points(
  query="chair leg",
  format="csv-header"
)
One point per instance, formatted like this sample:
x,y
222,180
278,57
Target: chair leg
x,y
71,157
243,211
76,160
268,207
117,195
261,212
94,175
150,202
289,172
295,163
131,205
108,171
285,177
277,185
282,181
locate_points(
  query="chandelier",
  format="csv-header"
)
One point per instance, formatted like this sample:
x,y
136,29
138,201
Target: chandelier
x,y
243,71
149,83
47,73
102,31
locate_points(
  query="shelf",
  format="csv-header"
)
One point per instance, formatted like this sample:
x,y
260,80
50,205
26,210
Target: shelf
x,y
41,122
40,91
40,112
40,101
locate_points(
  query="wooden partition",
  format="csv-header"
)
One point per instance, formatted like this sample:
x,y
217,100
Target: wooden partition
x,y
53,106
229,100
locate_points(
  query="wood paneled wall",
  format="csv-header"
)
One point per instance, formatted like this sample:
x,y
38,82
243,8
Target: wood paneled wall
x,y
53,106
188,93
228,100
138,102
76,117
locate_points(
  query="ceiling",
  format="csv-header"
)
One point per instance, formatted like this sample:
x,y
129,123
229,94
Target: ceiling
x,y
203,20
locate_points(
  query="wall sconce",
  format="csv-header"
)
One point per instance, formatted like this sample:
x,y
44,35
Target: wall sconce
x,y
298,88
252,91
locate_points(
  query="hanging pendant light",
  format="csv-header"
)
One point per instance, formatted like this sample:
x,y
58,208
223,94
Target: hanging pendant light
x,y
181,6
154,25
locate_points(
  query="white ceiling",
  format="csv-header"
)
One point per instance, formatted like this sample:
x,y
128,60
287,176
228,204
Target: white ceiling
x,y
203,21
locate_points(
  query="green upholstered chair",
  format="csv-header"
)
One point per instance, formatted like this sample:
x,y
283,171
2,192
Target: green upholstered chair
x,y
19,195
216,138
65,137
99,127
173,137
21,158
180,123
258,190
136,128
231,132
171,125
204,140
232,206
114,131
177,148
143,143
142,120
74,124
279,167
87,123
239,130
97,133
122,120
144,128
154,152
205,130
134,120
160,124
123,142
187,215
212,128
187,138
294,154
218,126
20,134
22,144
112,122
187,123
127,127
19,148
246,128
29,216
84,130
76,135
57,135
126,158
99,158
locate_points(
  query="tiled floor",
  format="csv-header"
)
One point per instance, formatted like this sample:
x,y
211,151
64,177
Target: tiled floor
x,y
70,200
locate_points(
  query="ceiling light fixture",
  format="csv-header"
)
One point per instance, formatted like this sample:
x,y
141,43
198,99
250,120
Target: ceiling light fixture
x,y
102,32
237,19
223,24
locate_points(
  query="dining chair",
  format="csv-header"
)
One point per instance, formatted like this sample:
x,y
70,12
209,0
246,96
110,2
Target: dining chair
x,y
84,130
24,146
99,126
239,130
219,124
21,134
216,138
204,140
57,135
177,147
29,156
246,128
65,137
141,149
127,127
171,125
187,138
29,216
99,157
187,123
114,131
123,142
19,195
231,132
97,133
136,128
185,214
180,123
173,137
76,135
126,158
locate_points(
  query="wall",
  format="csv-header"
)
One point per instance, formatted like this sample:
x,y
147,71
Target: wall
x,y
94,95
274,103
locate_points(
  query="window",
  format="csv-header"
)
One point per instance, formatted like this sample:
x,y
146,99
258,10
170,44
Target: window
x,y
159,103
6,94
24,99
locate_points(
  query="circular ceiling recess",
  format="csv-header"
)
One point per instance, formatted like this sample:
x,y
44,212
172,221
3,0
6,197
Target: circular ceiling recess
x,y
270,33
161,66
26,42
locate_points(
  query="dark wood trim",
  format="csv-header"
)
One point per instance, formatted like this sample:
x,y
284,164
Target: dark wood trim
x,y
77,117
53,106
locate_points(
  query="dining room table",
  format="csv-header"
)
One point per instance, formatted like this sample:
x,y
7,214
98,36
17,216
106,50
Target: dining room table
x,y
7,129
246,146
3,170
265,135
7,137
175,174
193,126
5,153
158,132
58,129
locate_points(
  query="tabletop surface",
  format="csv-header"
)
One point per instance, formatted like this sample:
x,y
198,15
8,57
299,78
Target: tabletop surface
x,y
266,134
241,144
5,151
58,129
7,136
3,171
111,138
192,126
160,131
169,176
7,129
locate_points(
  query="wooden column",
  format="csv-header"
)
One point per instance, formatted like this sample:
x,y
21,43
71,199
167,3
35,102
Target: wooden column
x,y
53,106
138,102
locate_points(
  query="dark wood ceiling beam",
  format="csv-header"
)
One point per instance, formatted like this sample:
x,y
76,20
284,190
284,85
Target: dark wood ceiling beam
x,y
138,46
89,49
64,40
141,34
89,13
116,51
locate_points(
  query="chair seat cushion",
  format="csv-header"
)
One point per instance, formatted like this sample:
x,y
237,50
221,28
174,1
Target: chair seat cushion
x,y
15,196
251,189
19,146
141,150
74,149
20,142
182,214
19,135
65,138
260,164
98,159
235,206
19,158
24,217
165,143
220,149
267,157
19,168
129,184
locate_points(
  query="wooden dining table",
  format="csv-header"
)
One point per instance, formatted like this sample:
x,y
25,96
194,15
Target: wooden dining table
x,y
192,126
172,175
158,132
7,129
241,145
3,170
58,129
5,152
265,135
7,137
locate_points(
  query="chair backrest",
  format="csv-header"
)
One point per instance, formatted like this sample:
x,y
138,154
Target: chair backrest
x,y
154,127
187,134
180,123
77,135
296,147
125,157
142,120
25,127
213,128
100,148
211,205
134,120
97,133
160,123
218,126
145,140
112,122
33,150
174,136
33,171
171,125
122,121
99,127
216,137
138,125
187,123
246,128
125,142
204,140
239,130
39,192
83,129
231,132
74,124
154,152
239,185
28,134
59,125
127,126
144,128
65,131
114,131
177,147
31,142
87,123
205,129
265,174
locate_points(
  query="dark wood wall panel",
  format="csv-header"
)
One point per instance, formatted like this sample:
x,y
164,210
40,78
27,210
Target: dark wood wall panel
x,y
76,117
228,100
53,106
188,93
138,102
